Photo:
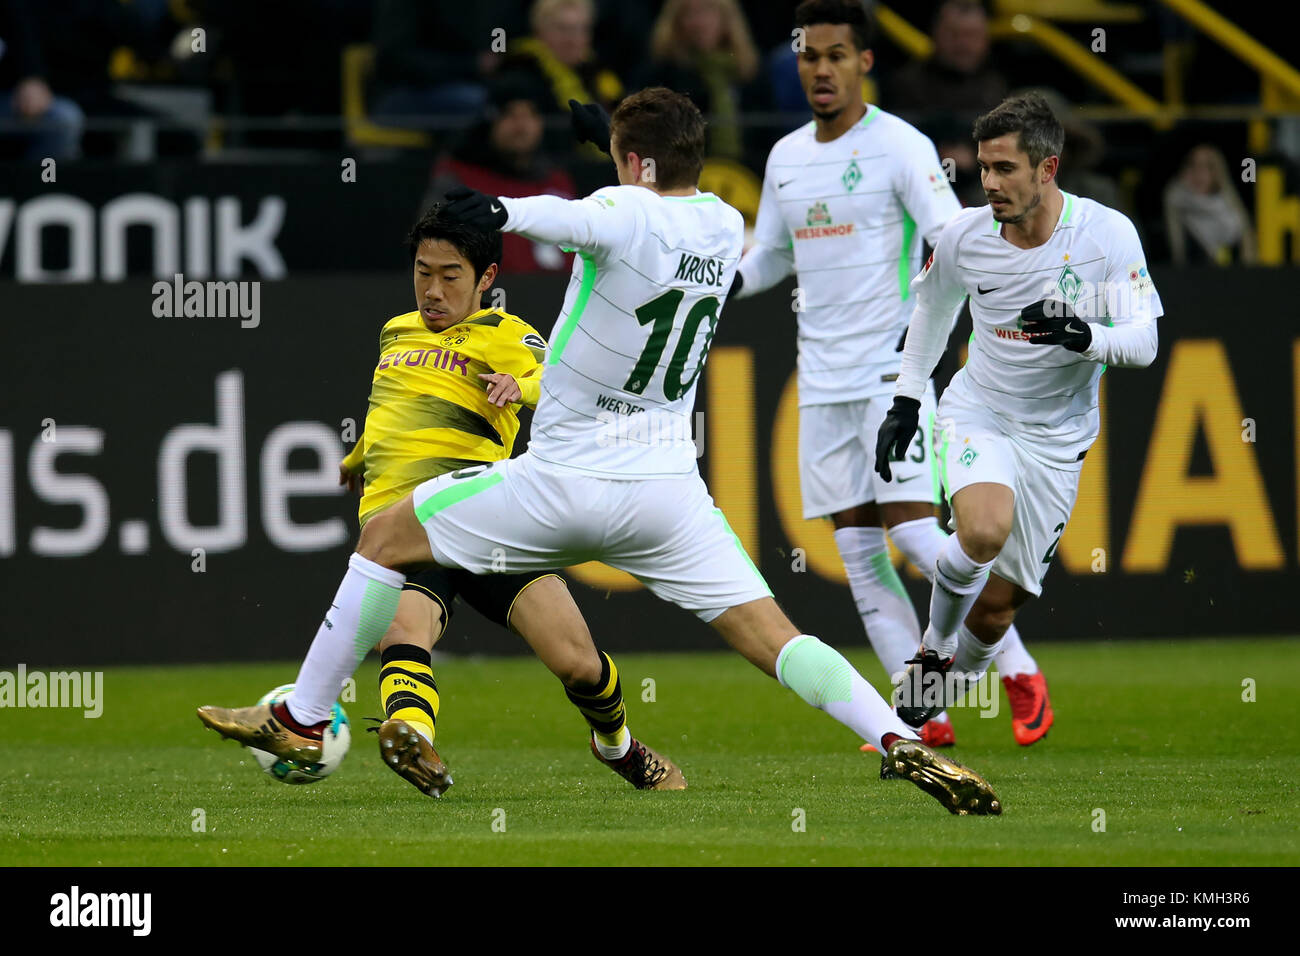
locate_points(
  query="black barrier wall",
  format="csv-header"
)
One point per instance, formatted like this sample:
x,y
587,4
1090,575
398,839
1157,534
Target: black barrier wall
x,y
168,484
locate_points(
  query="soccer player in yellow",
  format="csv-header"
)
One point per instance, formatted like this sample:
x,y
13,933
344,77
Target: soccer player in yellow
x,y
445,397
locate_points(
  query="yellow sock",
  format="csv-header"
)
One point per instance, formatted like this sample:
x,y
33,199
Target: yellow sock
x,y
407,688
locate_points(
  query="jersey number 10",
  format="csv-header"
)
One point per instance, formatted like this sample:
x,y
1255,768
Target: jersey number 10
x,y
661,311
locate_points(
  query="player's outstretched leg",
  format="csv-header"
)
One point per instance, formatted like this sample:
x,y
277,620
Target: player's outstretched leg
x,y
822,676
360,613
545,616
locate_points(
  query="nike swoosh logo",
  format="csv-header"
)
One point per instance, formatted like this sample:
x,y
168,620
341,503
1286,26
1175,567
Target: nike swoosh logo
x,y
1072,330
786,183
1037,721
900,479
494,207
983,291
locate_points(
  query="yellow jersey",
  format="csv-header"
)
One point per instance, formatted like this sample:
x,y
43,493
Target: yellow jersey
x,y
429,412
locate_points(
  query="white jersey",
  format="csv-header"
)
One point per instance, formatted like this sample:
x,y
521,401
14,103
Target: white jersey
x,y
642,307
850,216
1045,395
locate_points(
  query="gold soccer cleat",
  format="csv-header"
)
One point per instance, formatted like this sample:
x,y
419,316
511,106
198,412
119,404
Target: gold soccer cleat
x,y
643,768
961,790
260,728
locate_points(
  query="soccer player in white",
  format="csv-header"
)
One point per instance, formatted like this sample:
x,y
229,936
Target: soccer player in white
x,y
847,202
1059,290
610,472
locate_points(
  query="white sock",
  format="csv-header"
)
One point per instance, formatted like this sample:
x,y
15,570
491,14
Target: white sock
x,y
364,606
615,751
1013,659
886,610
920,540
823,678
973,655
958,582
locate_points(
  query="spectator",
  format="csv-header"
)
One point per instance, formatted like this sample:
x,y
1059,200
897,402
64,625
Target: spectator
x,y
1201,203
957,78
703,48
561,63
502,156
78,40
430,58
45,124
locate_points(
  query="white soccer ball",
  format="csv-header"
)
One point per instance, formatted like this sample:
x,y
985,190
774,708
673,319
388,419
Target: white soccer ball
x,y
334,747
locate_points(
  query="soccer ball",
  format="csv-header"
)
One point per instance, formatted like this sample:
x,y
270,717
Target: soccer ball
x,y
334,747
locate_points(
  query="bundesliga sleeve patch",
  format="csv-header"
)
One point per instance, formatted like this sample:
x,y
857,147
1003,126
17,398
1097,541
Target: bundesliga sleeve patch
x,y
1139,280
533,340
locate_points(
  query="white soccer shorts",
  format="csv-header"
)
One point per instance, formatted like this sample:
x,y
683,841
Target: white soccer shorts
x,y
837,457
974,447
525,515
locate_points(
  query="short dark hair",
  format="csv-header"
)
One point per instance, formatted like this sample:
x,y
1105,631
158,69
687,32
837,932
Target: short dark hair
x,y
850,12
481,247
659,124
1041,133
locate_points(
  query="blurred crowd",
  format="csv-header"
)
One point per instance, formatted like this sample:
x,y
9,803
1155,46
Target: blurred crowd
x,y
488,83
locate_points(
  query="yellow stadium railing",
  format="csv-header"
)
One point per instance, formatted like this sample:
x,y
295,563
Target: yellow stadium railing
x,y
913,41
1274,72
1078,11
1080,59
356,65
1033,29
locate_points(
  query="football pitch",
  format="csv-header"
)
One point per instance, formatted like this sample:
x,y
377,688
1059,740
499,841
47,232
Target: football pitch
x,y
1153,741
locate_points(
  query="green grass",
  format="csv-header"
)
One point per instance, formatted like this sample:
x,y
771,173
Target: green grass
x,y
1154,734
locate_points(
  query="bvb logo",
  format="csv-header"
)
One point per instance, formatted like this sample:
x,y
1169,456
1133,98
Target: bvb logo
x,y
455,337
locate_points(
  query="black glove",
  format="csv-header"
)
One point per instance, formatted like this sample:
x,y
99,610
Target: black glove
x,y
590,124
475,209
1061,327
896,433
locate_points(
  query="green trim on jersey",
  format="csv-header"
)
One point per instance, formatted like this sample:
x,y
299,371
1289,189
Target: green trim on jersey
x,y
905,256
455,493
1069,207
705,197
584,293
872,112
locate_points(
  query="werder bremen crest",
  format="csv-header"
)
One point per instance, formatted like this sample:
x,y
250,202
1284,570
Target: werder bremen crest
x,y
852,176
818,215
1069,284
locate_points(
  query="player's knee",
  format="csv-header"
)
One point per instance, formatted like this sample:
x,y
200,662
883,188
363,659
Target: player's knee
x,y
379,541
982,538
